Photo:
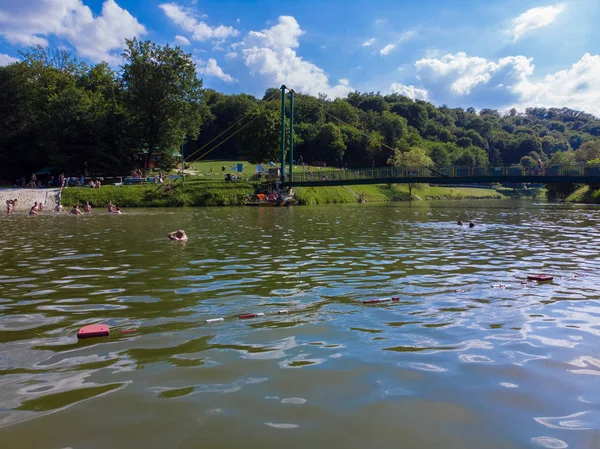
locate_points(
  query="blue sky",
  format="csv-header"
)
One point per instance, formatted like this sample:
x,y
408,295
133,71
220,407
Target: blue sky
x,y
496,54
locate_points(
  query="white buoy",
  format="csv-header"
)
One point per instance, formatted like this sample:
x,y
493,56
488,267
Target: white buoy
x,y
214,320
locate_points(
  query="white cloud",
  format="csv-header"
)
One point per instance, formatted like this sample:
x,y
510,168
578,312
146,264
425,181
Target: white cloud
x,y
211,68
270,53
535,18
511,82
368,43
182,40
6,59
463,72
389,47
97,37
408,91
576,88
231,55
189,21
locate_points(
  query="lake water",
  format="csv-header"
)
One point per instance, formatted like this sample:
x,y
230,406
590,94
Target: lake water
x,y
455,363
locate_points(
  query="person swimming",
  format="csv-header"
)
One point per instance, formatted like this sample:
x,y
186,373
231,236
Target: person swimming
x,y
460,223
178,235
471,225
59,207
75,210
34,209
87,207
10,205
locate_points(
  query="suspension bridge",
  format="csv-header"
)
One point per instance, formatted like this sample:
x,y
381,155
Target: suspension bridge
x,y
583,174
447,175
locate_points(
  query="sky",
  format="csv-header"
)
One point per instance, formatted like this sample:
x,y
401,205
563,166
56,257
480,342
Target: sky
x,y
496,54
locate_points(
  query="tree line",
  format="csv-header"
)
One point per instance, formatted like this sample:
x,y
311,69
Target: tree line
x,y
60,112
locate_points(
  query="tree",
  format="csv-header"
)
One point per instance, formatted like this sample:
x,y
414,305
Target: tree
x,y
588,151
415,157
329,144
163,97
261,137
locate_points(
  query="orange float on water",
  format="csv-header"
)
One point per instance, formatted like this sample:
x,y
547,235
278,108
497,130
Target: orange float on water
x,y
94,330
540,277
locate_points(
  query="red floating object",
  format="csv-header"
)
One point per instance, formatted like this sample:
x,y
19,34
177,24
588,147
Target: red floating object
x,y
395,298
371,301
94,330
250,315
128,331
539,277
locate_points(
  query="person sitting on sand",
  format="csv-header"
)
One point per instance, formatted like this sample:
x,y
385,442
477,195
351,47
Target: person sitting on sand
x,y
87,207
177,235
59,207
75,210
34,209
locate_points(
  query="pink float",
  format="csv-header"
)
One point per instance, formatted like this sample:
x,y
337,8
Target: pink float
x,y
94,330
539,277
251,315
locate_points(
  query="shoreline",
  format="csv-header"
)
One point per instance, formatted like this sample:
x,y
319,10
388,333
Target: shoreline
x,y
218,194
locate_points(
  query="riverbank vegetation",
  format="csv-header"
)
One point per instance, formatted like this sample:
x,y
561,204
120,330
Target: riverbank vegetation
x,y
180,194
59,112
218,193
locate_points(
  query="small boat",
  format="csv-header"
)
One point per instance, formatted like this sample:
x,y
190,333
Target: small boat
x,y
272,200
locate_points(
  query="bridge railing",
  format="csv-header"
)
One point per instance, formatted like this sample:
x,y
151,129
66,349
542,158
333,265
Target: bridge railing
x,y
391,172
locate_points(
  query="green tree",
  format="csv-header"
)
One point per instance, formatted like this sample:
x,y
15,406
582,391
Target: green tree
x,y
588,151
329,144
163,97
261,138
415,157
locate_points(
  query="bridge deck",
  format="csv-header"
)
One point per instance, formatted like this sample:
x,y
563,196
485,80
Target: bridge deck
x,y
451,175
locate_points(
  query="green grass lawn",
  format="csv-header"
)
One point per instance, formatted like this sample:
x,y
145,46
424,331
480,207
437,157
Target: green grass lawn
x,y
200,170
383,192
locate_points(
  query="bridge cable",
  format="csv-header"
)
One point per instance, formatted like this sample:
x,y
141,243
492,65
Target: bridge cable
x,y
256,107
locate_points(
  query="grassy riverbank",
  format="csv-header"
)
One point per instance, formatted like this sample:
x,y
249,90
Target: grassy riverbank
x,y
584,194
207,193
221,193
396,192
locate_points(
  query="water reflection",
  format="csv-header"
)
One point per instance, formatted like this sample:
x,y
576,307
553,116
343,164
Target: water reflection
x,y
471,355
